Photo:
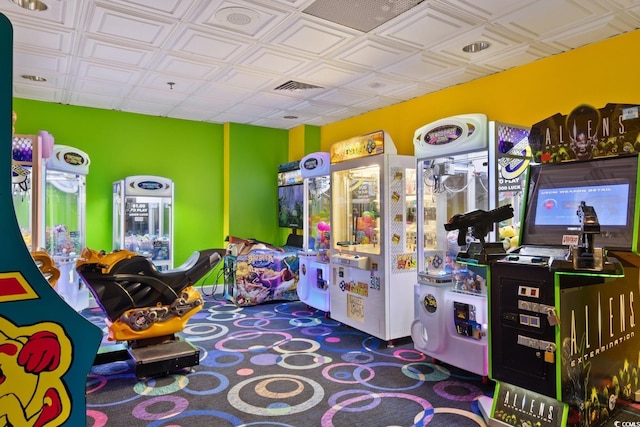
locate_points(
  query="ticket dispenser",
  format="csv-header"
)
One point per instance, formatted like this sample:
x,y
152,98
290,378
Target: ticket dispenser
x,y
143,218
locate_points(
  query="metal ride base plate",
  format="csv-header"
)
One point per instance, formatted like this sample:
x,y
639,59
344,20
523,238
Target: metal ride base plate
x,y
164,358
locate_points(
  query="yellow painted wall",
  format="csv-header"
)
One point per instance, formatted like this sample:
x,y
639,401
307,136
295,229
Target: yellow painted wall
x,y
596,74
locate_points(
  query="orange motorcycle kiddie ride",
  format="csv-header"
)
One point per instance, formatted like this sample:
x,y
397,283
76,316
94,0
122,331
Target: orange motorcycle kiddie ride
x,y
146,308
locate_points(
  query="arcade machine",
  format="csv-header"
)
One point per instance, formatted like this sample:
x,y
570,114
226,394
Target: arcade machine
x,y
563,326
143,218
313,285
372,236
29,152
465,164
64,218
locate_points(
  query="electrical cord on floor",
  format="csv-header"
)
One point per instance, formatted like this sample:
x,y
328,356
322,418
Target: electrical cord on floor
x,y
214,286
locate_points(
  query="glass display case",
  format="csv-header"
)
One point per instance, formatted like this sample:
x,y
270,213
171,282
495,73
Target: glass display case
x,y
372,236
65,219
26,186
143,218
313,286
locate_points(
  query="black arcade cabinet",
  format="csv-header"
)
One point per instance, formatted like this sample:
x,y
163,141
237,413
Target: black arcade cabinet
x,y
564,336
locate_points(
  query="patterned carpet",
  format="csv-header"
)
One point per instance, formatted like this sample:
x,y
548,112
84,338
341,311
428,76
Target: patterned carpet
x,y
283,364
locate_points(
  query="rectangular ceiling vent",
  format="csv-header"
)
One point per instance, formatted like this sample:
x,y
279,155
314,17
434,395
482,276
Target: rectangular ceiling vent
x,y
295,86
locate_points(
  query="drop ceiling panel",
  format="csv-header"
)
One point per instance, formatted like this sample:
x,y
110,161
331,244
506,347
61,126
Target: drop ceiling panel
x,y
324,73
312,37
249,80
95,70
271,100
273,60
487,9
427,27
86,86
176,9
97,49
536,21
422,67
224,92
143,107
245,18
186,113
589,32
39,93
373,53
40,62
129,27
342,97
94,100
172,64
43,38
62,13
161,82
378,84
218,47
166,96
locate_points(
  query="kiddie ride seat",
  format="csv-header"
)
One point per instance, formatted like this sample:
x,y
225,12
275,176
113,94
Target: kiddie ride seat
x,y
145,308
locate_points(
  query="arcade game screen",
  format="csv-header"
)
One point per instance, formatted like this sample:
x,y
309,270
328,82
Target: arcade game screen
x,y
556,191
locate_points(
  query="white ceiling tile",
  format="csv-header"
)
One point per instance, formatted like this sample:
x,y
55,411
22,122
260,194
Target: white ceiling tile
x,y
372,53
128,26
205,103
170,8
40,62
487,9
218,47
48,39
95,70
38,93
273,60
327,73
63,13
271,100
94,100
242,17
249,110
426,27
96,49
232,118
99,88
342,97
453,47
312,36
160,81
172,64
422,66
378,84
224,92
161,96
587,33
182,112
248,79
144,107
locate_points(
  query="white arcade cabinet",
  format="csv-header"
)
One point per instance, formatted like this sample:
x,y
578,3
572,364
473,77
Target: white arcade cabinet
x,y
143,218
372,236
313,285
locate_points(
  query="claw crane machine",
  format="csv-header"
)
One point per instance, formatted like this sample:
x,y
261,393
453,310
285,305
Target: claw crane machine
x,y
372,236
464,164
143,218
313,285
65,219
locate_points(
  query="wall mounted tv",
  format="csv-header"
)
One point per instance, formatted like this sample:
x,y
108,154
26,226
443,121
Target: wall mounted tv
x,y
556,190
291,206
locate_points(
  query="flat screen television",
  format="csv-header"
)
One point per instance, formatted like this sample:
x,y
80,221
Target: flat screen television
x,y
291,206
557,189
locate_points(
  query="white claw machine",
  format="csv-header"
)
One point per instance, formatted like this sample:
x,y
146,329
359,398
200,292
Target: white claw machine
x,y
143,218
65,219
313,285
373,248
464,163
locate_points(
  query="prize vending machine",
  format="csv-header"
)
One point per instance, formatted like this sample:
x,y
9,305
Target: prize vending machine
x,y
313,285
460,169
372,236
65,219
143,218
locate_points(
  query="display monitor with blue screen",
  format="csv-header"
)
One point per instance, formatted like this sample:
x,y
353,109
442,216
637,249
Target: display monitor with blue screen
x,y
556,191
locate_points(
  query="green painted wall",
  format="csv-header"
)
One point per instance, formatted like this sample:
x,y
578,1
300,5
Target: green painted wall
x,y
254,156
121,144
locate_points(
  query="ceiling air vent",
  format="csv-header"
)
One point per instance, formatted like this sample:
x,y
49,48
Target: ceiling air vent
x,y
295,86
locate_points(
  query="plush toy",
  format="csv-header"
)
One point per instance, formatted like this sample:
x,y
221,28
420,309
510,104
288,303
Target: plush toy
x,y
509,237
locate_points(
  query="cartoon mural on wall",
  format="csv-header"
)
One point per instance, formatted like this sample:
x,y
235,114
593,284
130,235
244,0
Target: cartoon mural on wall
x,y
46,347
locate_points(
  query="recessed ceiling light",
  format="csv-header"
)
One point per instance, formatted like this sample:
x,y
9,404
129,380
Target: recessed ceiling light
x,y
33,78
476,47
35,5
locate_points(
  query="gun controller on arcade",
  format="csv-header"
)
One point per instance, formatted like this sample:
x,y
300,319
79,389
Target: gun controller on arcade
x,y
480,222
